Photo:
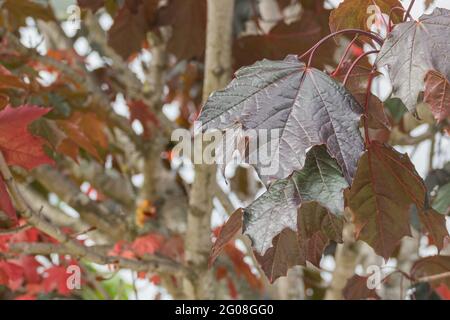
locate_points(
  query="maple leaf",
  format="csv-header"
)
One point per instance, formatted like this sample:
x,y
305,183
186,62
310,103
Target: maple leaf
x,y
93,5
85,130
442,201
188,21
19,10
320,180
56,280
357,289
315,227
356,14
229,230
18,146
437,95
11,275
431,266
386,185
284,39
434,224
131,25
307,106
148,244
241,267
10,81
29,265
378,122
141,112
413,49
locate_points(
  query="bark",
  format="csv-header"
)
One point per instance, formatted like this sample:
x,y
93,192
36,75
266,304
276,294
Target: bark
x,y
346,258
217,75
292,286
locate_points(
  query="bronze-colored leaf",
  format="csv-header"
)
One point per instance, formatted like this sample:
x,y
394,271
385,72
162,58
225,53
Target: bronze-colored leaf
x,y
437,95
305,105
360,14
232,227
316,226
357,289
386,185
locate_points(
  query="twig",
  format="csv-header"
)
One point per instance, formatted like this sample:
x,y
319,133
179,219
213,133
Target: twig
x,y
434,277
408,11
15,230
74,248
355,63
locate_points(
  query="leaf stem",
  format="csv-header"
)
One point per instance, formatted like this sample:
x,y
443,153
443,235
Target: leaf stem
x,y
369,85
369,34
390,26
345,54
366,108
356,62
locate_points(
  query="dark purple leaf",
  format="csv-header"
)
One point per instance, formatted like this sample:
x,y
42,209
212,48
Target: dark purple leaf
x,y
316,226
320,180
414,48
304,104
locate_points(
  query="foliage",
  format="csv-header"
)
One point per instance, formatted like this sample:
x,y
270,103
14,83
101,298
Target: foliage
x,y
89,176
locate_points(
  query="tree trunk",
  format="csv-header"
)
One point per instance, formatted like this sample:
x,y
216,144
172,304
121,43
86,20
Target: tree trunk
x,y
346,258
217,74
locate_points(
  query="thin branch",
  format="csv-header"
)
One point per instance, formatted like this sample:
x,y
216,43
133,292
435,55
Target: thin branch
x,y
408,11
75,248
347,50
15,230
95,214
356,62
434,277
375,37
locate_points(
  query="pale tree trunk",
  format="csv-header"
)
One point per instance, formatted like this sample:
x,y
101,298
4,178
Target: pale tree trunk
x,y
217,75
291,287
346,258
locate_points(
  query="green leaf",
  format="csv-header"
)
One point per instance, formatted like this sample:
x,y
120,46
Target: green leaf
x,y
396,108
320,180
316,226
442,201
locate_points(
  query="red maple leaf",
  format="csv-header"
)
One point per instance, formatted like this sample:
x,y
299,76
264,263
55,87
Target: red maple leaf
x,y
11,275
56,280
18,146
29,265
148,244
443,291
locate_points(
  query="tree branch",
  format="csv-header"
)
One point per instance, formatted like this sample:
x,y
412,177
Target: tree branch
x,y
95,214
73,247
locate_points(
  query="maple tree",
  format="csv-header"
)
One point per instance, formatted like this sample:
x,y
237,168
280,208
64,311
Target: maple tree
x,y
90,176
